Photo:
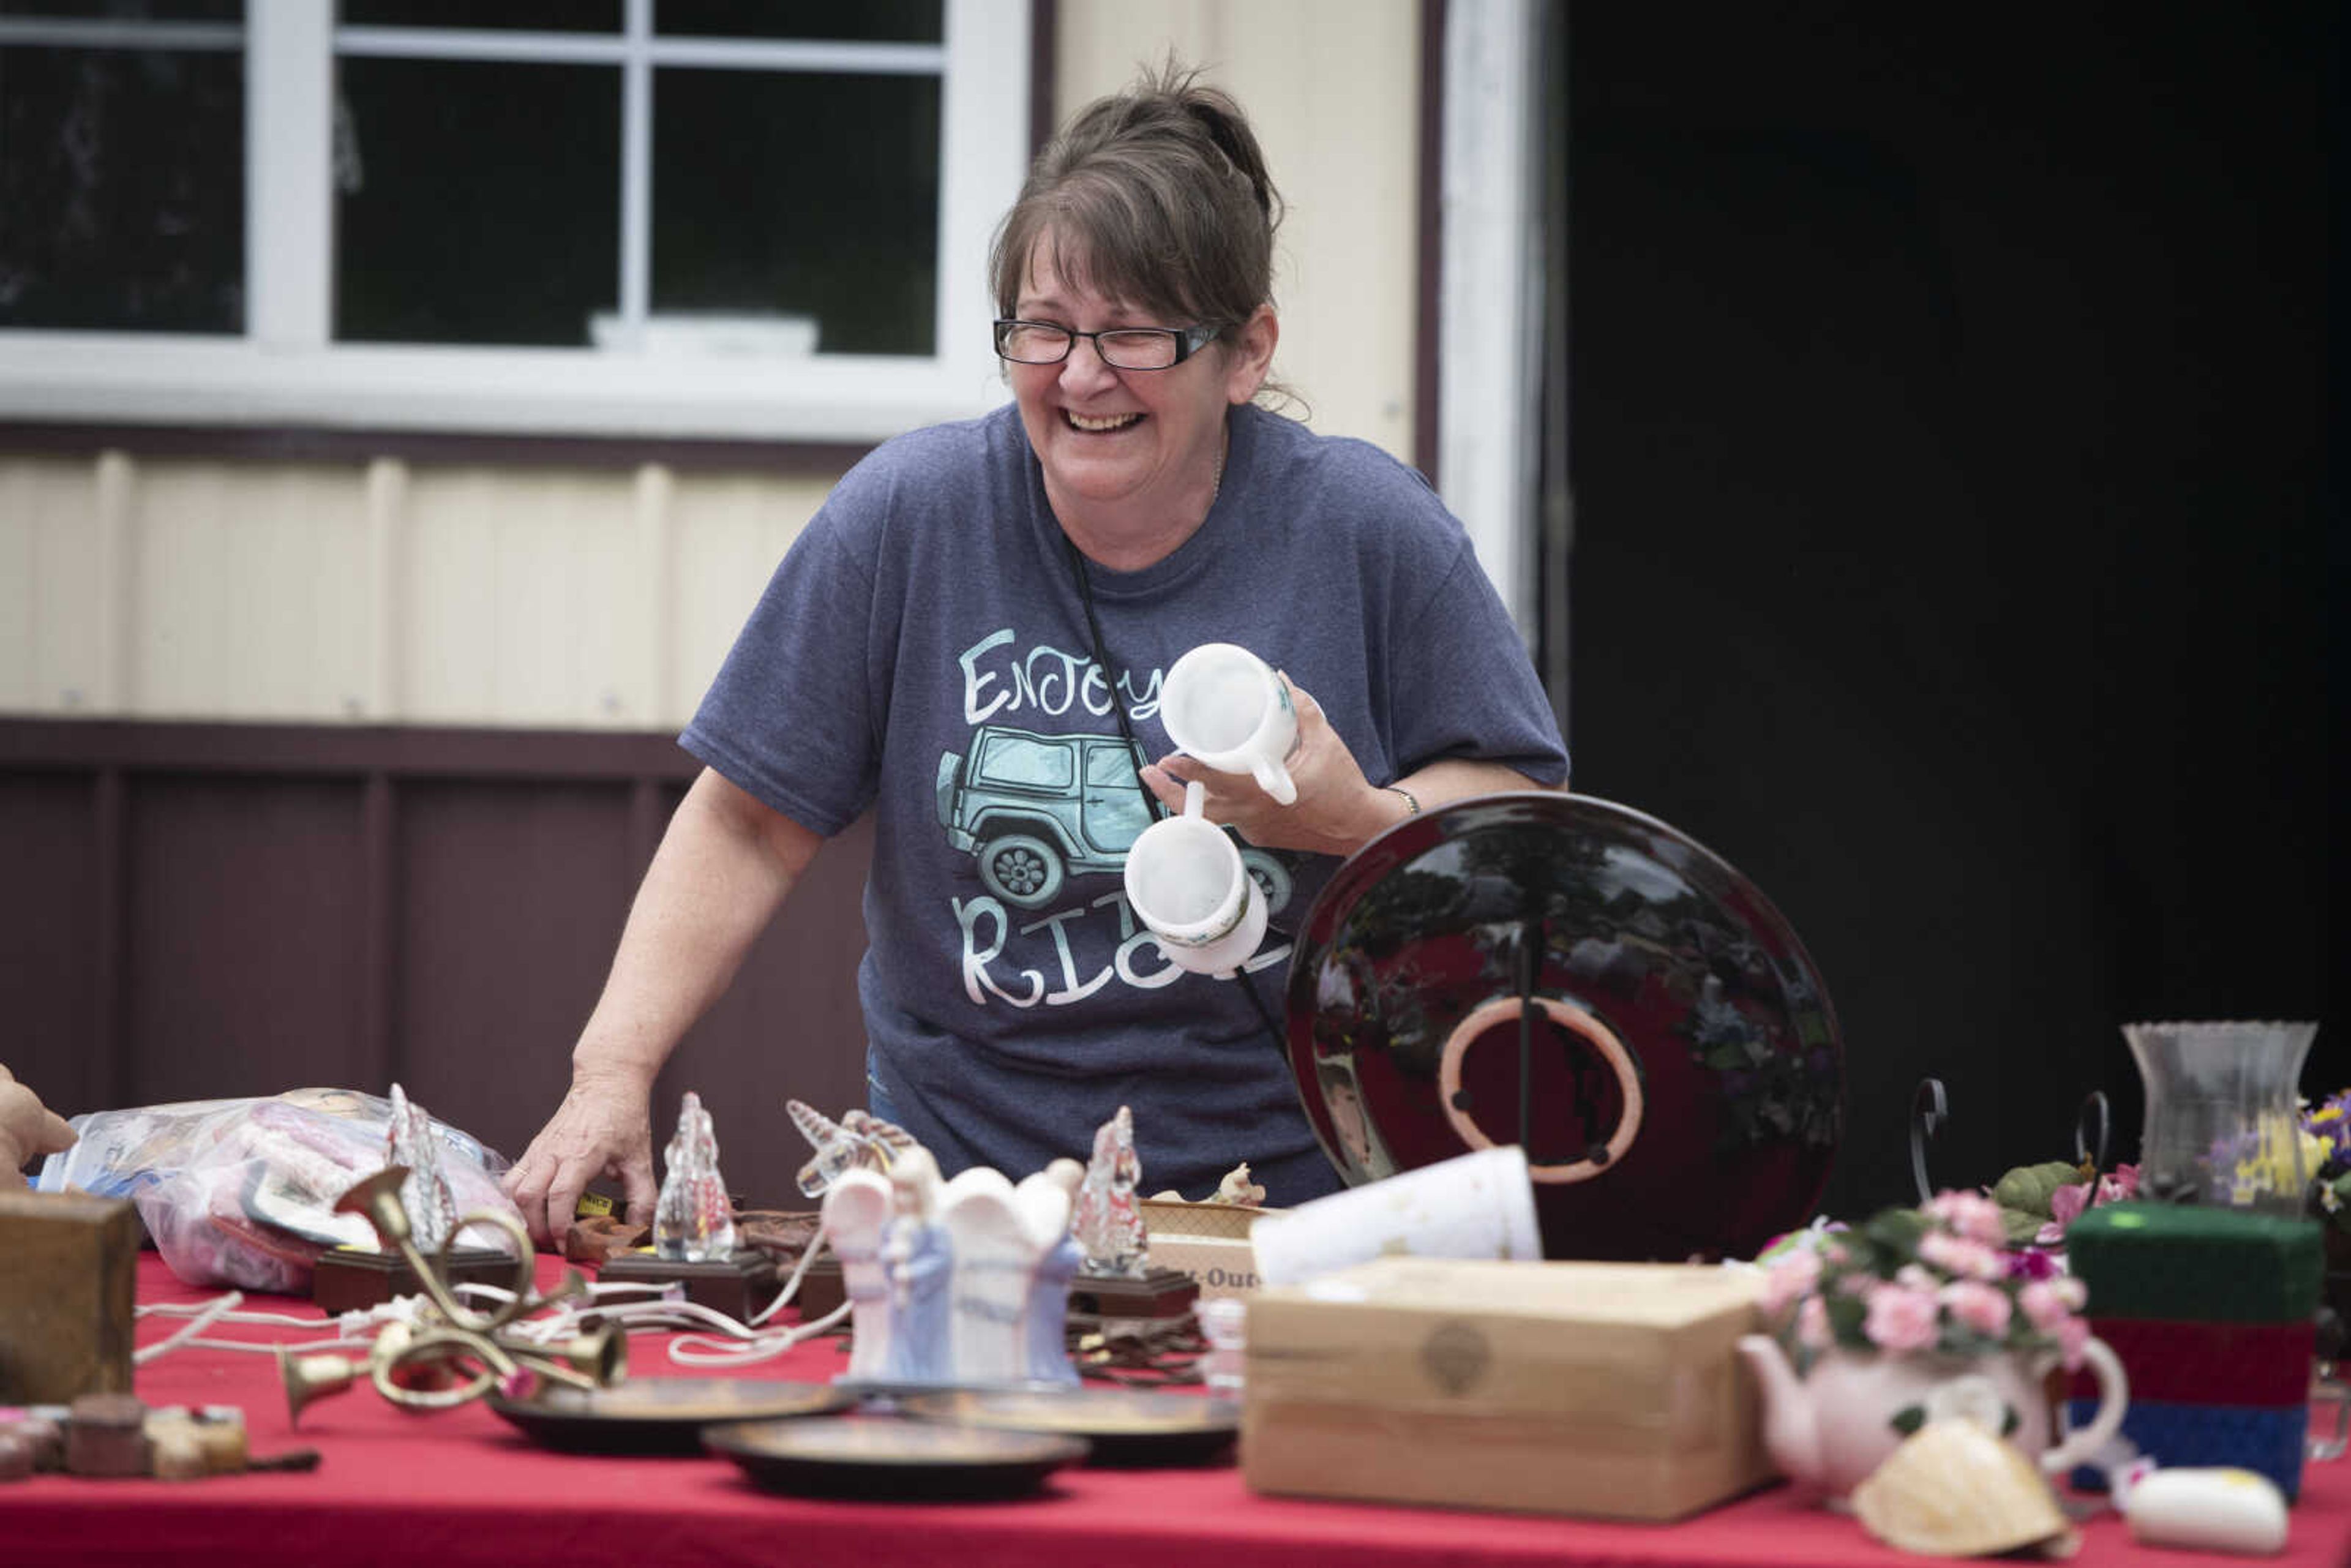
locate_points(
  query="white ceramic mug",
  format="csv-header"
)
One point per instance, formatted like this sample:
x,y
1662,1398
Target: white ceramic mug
x,y
1185,881
1480,1205
1225,706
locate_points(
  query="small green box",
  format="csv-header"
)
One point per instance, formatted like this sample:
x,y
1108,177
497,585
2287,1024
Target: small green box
x,y
2196,1263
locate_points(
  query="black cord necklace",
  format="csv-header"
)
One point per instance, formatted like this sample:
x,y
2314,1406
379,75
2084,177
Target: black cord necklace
x,y
1151,803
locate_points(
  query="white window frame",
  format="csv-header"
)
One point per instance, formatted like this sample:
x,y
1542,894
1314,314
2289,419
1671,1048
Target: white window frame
x,y
286,370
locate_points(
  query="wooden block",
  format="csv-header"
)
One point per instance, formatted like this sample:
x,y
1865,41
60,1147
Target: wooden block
x,y
352,1278
1607,1389
107,1436
1160,1293
67,1265
740,1286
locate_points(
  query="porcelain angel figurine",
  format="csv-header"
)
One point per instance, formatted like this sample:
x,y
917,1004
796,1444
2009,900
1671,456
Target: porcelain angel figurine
x,y
1045,1201
995,1261
693,1219
857,1210
917,1266
1108,1225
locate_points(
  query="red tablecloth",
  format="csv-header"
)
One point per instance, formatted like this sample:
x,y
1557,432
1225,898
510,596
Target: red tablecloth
x,y
462,1487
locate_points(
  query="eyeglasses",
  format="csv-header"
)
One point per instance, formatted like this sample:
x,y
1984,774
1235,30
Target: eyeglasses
x,y
1121,348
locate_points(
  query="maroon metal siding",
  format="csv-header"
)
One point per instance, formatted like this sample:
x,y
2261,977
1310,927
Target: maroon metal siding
x,y
202,910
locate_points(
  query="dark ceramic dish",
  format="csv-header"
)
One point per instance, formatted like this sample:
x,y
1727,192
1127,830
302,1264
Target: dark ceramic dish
x,y
659,1414
1126,1426
886,1457
1566,974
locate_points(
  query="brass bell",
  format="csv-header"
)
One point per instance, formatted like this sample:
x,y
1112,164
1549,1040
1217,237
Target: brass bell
x,y
378,1198
312,1377
601,1352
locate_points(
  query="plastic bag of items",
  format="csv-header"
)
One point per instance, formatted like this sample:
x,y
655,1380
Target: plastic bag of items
x,y
242,1192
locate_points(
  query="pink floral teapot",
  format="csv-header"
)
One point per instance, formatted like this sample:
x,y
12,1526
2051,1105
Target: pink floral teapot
x,y
1920,1315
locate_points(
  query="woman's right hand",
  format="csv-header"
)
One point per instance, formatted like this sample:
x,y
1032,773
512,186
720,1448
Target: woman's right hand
x,y
604,1128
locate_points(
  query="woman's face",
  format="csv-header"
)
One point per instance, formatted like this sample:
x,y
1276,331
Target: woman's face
x,y
1127,441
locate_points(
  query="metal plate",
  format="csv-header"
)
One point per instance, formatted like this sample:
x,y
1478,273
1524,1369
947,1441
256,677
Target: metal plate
x,y
883,1456
660,1415
1124,1426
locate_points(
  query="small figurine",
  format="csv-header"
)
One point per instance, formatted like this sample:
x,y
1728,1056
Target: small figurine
x,y
410,1141
857,1210
858,1141
994,1262
917,1264
1046,1201
1108,1225
694,1220
1238,1190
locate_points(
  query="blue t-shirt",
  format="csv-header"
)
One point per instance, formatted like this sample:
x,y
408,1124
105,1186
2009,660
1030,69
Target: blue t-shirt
x,y
922,650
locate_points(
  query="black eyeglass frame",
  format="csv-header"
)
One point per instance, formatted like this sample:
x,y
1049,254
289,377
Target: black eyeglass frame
x,y
1189,340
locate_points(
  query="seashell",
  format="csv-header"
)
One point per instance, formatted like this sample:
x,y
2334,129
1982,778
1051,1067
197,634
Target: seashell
x,y
1954,1489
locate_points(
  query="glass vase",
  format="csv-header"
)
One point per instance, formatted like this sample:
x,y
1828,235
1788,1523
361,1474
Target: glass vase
x,y
2224,1125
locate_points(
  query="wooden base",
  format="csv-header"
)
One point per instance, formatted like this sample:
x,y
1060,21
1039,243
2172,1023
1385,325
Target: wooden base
x,y
1161,1293
740,1286
820,1288
352,1278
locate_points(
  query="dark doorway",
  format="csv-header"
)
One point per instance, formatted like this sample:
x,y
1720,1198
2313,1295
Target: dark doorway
x,y
1954,536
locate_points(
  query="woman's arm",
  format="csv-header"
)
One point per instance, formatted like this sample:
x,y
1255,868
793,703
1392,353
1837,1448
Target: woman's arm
x,y
723,868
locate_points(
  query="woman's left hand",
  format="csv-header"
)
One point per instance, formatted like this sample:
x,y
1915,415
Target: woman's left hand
x,y
1337,809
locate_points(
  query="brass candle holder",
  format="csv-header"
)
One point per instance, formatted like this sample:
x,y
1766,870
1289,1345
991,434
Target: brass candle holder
x,y
457,1355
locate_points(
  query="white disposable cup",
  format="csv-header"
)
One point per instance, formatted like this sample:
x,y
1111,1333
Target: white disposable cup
x,y
1185,881
1478,1204
1225,706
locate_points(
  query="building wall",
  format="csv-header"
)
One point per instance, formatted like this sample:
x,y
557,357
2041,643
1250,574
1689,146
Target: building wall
x,y
555,595
341,768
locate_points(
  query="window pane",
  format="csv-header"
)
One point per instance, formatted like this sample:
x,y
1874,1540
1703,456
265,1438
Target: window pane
x,y
129,10
534,16
885,21
123,190
800,194
476,203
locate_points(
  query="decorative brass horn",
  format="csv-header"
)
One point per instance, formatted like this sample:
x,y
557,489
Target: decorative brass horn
x,y
468,1353
313,1377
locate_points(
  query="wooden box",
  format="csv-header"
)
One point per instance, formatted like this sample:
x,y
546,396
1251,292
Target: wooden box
x,y
1208,1242
67,1265
1613,1390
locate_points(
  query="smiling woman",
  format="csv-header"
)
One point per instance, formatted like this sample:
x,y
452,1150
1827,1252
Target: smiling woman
x,y
1132,505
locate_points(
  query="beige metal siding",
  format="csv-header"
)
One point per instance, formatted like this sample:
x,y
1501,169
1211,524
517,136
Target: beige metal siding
x,y
382,593
525,596
1334,90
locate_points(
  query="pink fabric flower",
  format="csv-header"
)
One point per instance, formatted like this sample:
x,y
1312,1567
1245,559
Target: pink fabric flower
x,y
1812,1323
2066,1204
2072,1335
2119,1185
1900,1319
1981,1307
2031,1263
2049,1304
1790,1278
1962,1259
1971,1214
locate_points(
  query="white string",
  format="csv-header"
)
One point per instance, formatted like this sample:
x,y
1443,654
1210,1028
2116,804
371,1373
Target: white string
x,y
706,1337
204,1319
